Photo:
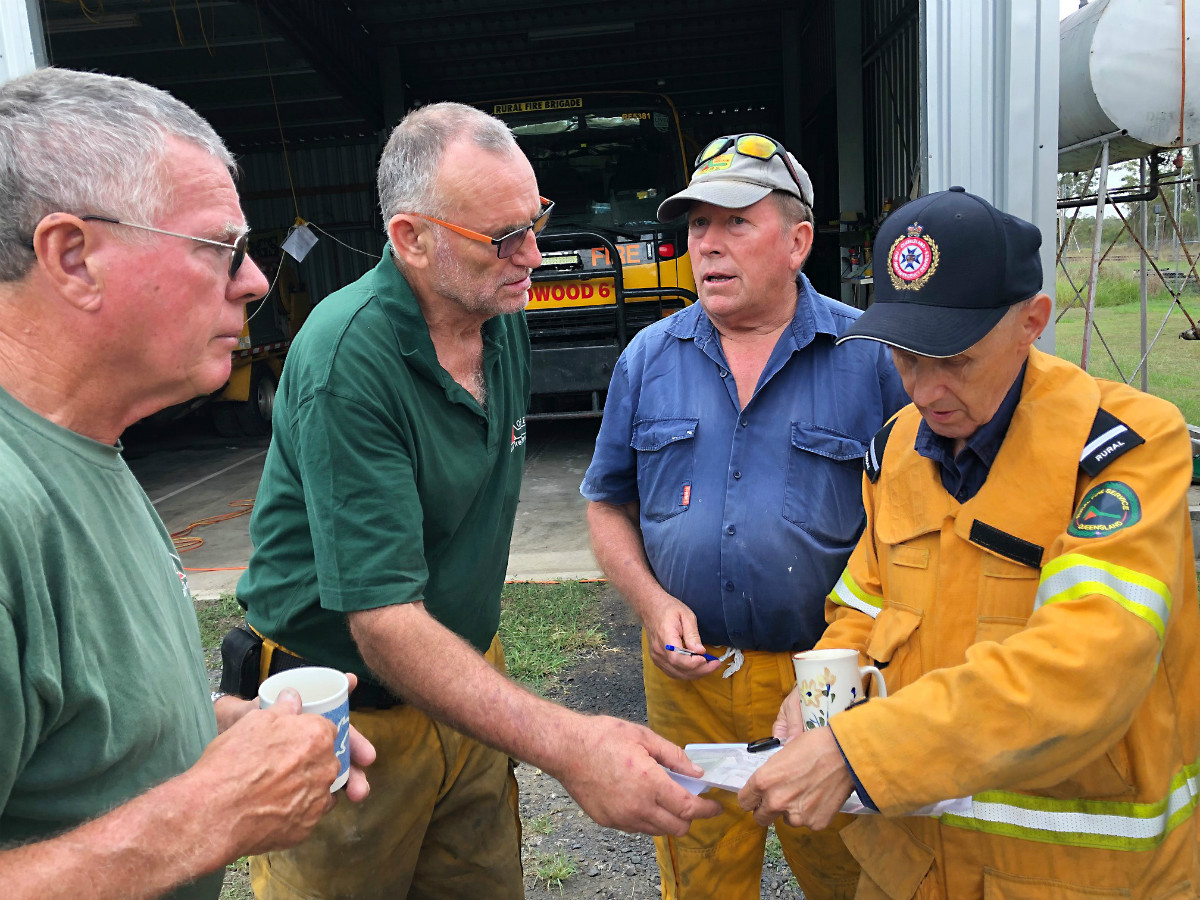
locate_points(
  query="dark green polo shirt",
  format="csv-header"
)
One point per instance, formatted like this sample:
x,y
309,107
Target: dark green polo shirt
x,y
386,482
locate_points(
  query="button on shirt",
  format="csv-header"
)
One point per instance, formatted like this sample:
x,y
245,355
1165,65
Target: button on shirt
x,y
748,515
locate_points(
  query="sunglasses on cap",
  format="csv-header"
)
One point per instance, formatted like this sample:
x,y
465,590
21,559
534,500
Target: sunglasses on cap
x,y
505,245
755,146
238,246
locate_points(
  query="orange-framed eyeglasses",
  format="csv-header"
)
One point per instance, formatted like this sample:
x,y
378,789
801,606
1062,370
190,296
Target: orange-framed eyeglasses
x,y
505,245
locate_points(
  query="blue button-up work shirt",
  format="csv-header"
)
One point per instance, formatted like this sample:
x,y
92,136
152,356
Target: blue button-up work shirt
x,y
748,515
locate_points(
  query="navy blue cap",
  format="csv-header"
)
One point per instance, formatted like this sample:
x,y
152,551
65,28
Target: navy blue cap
x,y
947,268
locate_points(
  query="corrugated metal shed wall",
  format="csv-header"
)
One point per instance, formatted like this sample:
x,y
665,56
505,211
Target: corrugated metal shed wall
x,y
335,191
891,100
817,145
816,61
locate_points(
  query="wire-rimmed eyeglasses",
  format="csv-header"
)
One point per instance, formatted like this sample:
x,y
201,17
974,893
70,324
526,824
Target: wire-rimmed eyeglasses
x,y
238,247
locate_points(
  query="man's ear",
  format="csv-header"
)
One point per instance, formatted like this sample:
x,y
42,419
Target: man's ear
x,y
67,258
802,241
1035,317
412,241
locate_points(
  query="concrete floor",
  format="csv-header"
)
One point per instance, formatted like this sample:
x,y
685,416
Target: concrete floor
x,y
193,475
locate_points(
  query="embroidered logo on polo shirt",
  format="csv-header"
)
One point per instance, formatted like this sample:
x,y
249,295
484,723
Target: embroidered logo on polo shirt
x,y
518,435
1106,508
913,259
183,582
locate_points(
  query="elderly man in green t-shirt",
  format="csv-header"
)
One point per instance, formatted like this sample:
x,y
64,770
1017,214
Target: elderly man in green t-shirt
x,y
381,534
123,282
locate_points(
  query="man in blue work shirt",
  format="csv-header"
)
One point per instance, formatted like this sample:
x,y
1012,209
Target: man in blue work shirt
x,y
725,491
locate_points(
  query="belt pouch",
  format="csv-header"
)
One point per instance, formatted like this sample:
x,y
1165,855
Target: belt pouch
x,y
241,654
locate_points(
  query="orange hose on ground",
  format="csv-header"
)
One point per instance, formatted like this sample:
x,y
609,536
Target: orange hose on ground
x,y
185,541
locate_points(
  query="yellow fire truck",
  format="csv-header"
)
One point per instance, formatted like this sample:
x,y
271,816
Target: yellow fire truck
x,y
245,404
609,268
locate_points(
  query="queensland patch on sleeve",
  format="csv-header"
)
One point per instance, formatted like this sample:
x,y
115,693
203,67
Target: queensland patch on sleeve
x,y
1107,507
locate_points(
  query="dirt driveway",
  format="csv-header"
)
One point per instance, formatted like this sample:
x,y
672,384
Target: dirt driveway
x,y
608,864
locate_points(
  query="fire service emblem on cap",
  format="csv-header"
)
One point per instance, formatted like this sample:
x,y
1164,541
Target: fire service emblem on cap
x,y
913,259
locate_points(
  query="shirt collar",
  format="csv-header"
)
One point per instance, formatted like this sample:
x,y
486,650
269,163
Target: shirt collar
x,y
820,315
395,293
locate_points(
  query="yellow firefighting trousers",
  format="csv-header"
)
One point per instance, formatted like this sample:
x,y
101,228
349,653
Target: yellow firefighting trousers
x,y
722,857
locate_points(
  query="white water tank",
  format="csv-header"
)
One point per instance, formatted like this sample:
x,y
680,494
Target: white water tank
x,y
1121,68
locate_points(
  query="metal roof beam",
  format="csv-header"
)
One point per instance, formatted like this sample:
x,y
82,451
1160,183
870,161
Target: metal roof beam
x,y
167,81
255,103
317,124
88,52
332,41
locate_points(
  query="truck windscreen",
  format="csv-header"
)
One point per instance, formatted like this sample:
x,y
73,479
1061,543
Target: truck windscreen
x,y
604,168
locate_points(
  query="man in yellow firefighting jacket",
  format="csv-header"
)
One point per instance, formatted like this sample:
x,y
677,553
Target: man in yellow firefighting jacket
x,y
1026,582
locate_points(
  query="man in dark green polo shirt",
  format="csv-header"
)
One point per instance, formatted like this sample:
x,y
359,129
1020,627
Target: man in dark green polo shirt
x,y
382,527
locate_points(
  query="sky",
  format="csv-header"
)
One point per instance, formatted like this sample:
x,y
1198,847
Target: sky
x,y
1066,7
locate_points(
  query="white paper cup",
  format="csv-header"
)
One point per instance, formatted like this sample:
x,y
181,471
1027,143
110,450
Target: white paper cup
x,y
324,692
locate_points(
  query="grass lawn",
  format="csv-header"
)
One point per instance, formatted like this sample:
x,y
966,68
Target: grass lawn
x,y
216,618
544,626
1174,364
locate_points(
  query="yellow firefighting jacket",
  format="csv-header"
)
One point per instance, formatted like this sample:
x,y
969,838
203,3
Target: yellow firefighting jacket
x,y
1041,647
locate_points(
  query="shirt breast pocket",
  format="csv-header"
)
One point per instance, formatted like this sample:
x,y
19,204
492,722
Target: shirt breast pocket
x,y
666,456
823,492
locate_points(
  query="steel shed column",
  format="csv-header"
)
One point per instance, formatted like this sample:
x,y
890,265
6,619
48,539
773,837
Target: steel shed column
x,y
22,44
392,90
990,100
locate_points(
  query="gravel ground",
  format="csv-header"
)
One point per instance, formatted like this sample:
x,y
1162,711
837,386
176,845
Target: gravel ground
x,y
606,863
583,860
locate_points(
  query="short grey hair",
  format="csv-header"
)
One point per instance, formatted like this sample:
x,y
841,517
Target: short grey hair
x,y
1020,306
86,143
792,210
409,165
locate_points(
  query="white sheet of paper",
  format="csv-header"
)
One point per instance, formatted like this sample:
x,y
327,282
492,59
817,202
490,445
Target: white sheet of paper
x,y
729,767
299,242
726,766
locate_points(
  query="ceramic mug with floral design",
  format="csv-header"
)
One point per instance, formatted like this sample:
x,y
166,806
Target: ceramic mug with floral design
x,y
830,681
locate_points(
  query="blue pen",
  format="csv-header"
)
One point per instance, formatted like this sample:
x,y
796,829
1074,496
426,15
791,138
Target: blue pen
x,y
685,650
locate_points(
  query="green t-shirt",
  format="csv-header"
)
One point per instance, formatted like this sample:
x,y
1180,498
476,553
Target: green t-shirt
x,y
386,482
103,687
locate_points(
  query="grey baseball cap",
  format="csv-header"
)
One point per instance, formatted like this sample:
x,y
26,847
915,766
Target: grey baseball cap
x,y
733,180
